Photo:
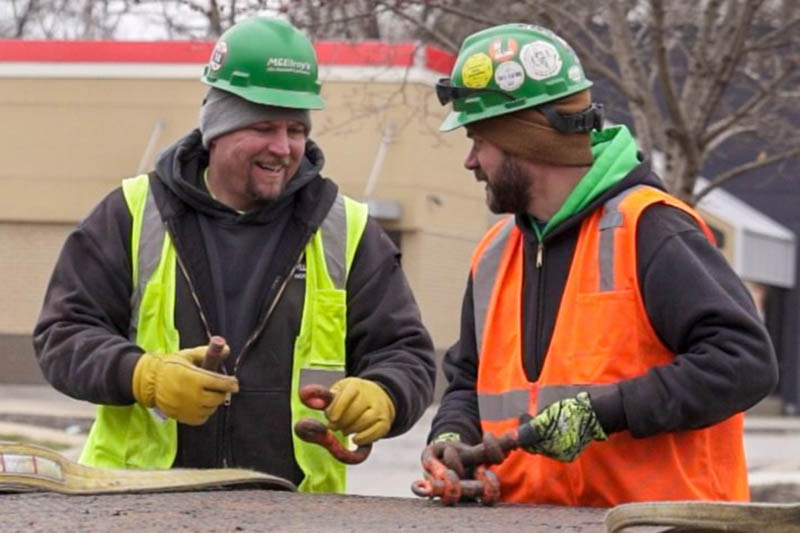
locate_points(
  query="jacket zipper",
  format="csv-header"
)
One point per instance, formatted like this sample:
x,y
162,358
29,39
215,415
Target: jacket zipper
x,y
203,319
250,339
540,308
195,298
266,316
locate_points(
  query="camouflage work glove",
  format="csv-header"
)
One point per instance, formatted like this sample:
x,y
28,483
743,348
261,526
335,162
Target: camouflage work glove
x,y
565,428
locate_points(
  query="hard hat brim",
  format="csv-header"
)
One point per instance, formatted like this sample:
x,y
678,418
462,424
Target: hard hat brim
x,y
269,96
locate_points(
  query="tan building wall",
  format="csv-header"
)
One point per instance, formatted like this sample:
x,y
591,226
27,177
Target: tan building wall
x,y
29,252
65,143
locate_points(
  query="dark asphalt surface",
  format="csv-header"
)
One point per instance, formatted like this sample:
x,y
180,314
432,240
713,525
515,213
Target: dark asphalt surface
x,y
262,510
379,496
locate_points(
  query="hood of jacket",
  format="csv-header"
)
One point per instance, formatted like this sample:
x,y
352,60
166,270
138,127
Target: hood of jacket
x,y
181,167
617,166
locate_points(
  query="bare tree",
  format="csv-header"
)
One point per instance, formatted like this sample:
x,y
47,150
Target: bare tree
x,y
691,76
63,19
199,19
22,12
324,19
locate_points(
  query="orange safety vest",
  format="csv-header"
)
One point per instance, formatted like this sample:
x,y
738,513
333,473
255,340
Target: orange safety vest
x,y
602,335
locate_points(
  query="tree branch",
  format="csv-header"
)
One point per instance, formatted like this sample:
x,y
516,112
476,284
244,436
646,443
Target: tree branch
x,y
665,77
726,61
769,40
741,169
22,20
448,43
749,107
586,54
317,21
461,13
644,108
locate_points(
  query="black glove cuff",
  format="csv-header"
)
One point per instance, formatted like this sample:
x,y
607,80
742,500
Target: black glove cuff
x,y
609,410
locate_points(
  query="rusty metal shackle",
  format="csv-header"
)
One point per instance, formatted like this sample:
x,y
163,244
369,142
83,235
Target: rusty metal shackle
x,y
312,430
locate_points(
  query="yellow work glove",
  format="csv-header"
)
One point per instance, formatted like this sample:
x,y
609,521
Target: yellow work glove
x,y
362,407
175,384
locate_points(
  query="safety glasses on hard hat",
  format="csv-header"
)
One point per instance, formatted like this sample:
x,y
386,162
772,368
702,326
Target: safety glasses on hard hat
x,y
446,92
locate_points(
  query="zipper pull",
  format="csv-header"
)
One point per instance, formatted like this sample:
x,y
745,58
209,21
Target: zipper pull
x,y
227,401
539,250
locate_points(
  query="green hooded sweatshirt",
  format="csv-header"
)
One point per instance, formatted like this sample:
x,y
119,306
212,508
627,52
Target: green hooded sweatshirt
x,y
615,155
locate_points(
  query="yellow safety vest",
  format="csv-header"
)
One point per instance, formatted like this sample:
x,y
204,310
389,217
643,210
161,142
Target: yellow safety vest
x,y
133,437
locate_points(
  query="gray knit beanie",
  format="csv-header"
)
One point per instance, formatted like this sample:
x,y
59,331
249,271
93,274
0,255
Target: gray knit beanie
x,y
223,112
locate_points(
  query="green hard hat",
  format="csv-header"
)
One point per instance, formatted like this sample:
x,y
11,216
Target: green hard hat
x,y
510,67
266,61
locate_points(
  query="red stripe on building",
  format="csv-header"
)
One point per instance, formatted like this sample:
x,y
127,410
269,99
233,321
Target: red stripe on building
x,y
439,60
372,53
105,51
365,53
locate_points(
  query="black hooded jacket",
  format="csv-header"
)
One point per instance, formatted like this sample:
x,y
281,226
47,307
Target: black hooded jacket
x,y
231,266
696,303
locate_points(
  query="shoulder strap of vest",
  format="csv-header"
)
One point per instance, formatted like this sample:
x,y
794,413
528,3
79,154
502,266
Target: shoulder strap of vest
x,y
147,239
341,232
630,203
485,263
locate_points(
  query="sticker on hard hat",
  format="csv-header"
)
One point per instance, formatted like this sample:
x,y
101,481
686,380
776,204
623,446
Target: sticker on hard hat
x,y
575,73
509,76
477,71
540,59
503,49
287,64
218,56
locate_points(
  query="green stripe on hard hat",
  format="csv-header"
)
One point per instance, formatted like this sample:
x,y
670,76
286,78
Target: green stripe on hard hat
x,y
506,68
266,61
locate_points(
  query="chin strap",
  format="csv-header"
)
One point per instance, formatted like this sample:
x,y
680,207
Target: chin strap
x,y
584,121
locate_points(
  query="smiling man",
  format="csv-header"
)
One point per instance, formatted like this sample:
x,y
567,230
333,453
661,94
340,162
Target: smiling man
x,y
254,149
236,234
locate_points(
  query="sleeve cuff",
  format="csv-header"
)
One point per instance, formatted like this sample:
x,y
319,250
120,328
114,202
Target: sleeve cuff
x,y
125,375
607,405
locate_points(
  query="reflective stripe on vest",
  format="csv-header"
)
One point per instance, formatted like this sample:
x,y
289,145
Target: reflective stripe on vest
x,y
602,335
484,275
319,350
133,437
130,436
148,231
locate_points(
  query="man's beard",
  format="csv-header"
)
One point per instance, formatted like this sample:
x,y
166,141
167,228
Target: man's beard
x,y
508,192
261,197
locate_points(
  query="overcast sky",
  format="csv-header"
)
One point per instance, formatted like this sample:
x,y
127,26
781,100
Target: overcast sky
x,y
144,21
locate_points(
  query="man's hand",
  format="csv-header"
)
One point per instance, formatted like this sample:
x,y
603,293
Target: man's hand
x,y
175,384
362,407
566,428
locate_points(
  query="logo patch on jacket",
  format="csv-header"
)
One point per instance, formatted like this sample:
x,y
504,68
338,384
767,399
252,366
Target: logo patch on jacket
x,y
299,271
